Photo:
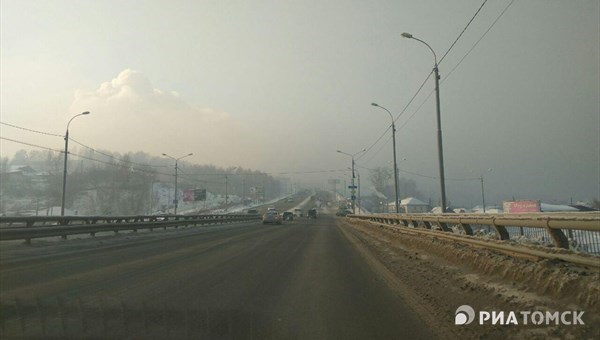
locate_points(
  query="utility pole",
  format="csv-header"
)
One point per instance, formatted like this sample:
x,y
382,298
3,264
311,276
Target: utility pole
x,y
175,200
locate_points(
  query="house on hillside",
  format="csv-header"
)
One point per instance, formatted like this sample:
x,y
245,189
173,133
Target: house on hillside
x,y
18,172
413,205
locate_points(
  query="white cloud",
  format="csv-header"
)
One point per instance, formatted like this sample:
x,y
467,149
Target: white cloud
x,y
129,114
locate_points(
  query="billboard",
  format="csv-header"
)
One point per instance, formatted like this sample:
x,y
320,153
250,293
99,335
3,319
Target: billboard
x,y
200,195
188,195
191,195
517,207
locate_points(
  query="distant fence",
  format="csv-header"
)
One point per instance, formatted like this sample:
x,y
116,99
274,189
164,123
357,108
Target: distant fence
x,y
28,228
579,231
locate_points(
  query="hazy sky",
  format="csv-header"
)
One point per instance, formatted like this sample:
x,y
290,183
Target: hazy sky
x,y
279,86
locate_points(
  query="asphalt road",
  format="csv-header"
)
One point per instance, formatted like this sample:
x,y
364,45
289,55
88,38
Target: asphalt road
x,y
300,280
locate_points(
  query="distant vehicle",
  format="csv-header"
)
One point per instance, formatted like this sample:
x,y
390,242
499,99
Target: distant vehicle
x,y
287,216
298,212
252,212
343,212
271,217
271,209
312,213
289,200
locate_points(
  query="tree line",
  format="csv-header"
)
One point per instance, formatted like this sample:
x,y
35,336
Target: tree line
x,y
107,183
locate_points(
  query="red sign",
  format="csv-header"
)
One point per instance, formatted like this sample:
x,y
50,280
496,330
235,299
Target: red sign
x,y
517,207
188,195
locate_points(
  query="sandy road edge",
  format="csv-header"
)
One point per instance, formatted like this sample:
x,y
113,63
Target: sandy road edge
x,y
434,277
422,310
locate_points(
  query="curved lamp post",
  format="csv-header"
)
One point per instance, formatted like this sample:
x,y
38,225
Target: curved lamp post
x,y
439,123
353,191
64,188
395,163
175,200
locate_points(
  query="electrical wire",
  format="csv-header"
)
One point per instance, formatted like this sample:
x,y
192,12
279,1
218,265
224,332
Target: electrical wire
x,y
449,73
31,130
477,42
115,158
30,144
84,157
426,79
463,31
311,172
76,142
425,176
461,60
397,117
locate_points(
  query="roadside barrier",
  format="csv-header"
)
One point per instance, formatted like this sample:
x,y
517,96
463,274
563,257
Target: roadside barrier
x,y
28,228
584,226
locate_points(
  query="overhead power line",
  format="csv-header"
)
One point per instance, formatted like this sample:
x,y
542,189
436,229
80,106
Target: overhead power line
x,y
397,117
84,157
429,75
30,144
463,31
424,176
31,130
479,40
461,60
76,142
116,158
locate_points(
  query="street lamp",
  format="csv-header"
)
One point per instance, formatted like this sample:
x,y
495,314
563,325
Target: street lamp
x,y
175,200
395,163
64,192
439,123
353,191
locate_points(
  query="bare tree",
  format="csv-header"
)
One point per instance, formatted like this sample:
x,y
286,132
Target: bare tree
x,y
380,178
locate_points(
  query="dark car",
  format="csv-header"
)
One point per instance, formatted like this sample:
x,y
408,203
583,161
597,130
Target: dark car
x,y
288,216
312,213
271,217
343,212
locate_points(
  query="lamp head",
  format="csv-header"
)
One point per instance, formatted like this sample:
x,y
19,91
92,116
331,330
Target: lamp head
x,y
407,35
85,113
374,104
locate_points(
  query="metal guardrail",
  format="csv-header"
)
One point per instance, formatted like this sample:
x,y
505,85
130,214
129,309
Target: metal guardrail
x,y
554,223
28,228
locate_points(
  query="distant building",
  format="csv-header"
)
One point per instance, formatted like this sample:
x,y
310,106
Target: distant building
x,y
18,172
55,211
545,207
413,205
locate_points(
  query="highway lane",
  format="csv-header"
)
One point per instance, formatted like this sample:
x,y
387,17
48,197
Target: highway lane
x,y
299,280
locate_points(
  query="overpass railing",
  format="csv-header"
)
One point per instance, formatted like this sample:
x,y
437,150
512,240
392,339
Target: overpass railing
x,y
28,228
564,230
